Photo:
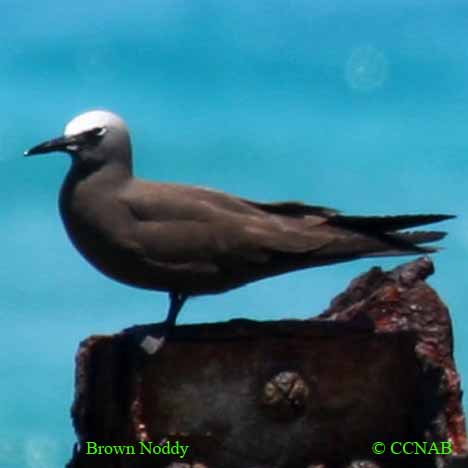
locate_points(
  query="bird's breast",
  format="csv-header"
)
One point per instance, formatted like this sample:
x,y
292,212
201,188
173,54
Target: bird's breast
x,y
99,228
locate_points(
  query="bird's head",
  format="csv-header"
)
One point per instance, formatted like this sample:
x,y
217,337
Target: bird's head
x,y
93,139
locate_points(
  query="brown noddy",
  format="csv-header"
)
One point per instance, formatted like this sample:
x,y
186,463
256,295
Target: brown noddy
x,y
188,240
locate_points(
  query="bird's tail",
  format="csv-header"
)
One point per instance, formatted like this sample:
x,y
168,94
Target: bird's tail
x,y
387,230
373,224
409,243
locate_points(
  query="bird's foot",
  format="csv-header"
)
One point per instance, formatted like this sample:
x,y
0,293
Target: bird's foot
x,y
152,345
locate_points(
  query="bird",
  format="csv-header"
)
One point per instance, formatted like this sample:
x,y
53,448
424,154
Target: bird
x,y
189,240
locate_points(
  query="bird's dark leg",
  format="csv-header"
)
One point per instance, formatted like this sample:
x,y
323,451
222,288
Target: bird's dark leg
x,y
151,344
177,301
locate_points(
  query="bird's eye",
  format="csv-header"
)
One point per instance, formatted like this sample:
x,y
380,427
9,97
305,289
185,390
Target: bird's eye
x,y
92,137
98,131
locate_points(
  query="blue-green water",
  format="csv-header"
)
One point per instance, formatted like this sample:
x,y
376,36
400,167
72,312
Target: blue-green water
x,y
359,105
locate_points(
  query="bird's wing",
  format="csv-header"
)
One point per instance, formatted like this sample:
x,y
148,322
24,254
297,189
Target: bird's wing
x,y
179,223
293,209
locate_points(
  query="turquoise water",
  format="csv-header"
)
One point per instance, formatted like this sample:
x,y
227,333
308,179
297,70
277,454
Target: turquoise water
x,y
358,105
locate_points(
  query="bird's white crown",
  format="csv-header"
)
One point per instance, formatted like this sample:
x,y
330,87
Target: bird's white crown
x,y
93,119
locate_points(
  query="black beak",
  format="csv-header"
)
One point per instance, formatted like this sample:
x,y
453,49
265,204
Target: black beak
x,y
57,144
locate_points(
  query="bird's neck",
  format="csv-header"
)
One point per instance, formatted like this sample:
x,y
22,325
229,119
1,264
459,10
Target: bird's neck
x,y
83,182
112,173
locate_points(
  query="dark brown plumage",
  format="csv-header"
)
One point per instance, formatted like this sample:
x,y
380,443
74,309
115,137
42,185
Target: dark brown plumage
x,y
189,240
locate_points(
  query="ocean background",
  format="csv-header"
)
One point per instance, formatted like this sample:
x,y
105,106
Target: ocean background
x,y
358,105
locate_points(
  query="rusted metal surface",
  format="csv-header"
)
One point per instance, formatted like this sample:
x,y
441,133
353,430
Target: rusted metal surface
x,y
376,366
401,300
